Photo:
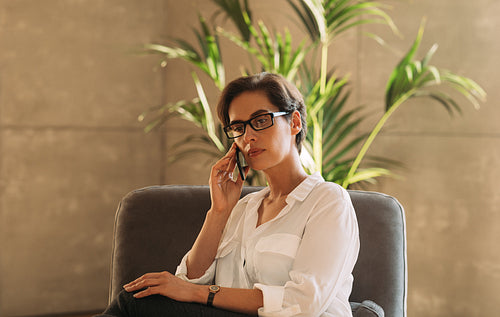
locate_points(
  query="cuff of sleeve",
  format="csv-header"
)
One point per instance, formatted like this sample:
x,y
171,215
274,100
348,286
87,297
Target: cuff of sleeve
x,y
272,297
273,302
206,278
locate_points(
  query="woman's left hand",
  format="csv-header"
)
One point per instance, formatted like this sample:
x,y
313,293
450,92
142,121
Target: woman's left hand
x,y
163,283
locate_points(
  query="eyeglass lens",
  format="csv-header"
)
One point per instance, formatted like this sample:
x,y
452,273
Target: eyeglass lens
x,y
260,122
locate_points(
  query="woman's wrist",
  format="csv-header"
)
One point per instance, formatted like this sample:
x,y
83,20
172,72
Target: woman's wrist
x,y
200,294
218,217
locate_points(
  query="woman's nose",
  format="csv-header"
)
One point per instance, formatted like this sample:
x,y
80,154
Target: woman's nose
x,y
249,135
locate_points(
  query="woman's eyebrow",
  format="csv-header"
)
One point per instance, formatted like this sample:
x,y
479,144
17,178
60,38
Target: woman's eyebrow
x,y
256,113
261,111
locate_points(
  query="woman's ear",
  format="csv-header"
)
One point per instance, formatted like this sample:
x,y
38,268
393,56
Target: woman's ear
x,y
296,123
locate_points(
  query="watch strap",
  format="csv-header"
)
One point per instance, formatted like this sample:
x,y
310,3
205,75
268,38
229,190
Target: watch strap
x,y
210,300
212,290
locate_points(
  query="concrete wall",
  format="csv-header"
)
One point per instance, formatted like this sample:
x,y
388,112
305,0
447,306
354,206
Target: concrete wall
x,y
71,147
449,189
70,144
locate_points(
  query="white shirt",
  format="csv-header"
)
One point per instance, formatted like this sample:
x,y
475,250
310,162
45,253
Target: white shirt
x,y
301,260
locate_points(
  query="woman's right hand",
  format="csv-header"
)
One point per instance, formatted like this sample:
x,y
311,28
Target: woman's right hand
x,y
224,191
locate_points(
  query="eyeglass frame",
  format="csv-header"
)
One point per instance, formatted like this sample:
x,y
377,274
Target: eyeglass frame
x,y
248,122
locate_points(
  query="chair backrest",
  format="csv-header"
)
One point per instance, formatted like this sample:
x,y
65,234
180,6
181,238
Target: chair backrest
x,y
155,226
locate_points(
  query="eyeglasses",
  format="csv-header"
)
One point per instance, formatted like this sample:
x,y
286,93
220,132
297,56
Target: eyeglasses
x,y
257,123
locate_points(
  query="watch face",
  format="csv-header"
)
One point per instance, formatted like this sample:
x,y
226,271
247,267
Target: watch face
x,y
214,288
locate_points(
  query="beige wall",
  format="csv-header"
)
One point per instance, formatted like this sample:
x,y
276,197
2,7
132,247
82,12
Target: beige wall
x,y
450,189
71,147
70,143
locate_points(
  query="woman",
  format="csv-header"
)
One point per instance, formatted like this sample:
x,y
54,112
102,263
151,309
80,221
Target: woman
x,y
287,250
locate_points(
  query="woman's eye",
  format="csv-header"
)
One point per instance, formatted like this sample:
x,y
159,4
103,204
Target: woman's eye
x,y
260,121
238,129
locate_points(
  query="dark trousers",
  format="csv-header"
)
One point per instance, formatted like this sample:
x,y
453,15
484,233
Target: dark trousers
x,y
126,305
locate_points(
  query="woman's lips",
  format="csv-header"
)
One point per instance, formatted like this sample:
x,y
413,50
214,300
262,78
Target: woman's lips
x,y
255,152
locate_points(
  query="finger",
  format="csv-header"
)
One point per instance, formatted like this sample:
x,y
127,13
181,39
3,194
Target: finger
x,y
232,148
225,172
133,283
147,292
143,281
231,164
137,280
232,157
143,284
240,181
230,153
222,163
246,170
221,166
222,175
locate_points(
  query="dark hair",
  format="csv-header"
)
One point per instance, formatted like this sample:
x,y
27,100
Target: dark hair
x,y
278,90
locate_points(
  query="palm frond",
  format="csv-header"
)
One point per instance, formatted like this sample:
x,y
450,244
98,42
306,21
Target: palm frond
x,y
209,125
235,11
276,55
189,110
208,60
412,78
368,175
306,17
324,20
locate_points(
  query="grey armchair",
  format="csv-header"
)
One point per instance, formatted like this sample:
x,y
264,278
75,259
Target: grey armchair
x,y
155,226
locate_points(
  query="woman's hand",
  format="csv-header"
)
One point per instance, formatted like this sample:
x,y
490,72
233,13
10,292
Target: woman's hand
x,y
224,191
163,283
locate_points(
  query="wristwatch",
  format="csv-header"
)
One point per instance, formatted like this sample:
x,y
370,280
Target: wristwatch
x,y
212,290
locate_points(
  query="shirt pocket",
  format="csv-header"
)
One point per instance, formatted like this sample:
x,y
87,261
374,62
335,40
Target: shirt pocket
x,y
274,256
279,243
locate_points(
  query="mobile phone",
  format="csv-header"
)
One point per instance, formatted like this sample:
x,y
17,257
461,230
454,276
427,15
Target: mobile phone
x,y
240,163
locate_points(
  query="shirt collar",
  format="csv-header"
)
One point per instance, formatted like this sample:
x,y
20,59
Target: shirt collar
x,y
299,193
304,189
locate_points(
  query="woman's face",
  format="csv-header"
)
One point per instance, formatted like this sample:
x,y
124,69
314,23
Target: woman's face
x,y
267,148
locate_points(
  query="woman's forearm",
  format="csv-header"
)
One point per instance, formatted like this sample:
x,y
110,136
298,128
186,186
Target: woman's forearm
x,y
246,301
204,249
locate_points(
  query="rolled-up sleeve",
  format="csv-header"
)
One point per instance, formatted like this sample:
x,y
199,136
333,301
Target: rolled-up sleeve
x,y
206,278
273,302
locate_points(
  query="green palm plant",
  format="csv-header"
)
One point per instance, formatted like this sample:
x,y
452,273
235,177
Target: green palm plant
x,y
209,60
274,55
417,78
332,139
197,110
324,21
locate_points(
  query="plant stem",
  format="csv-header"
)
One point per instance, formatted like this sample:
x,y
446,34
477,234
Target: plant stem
x,y
318,117
378,127
318,141
210,124
324,67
